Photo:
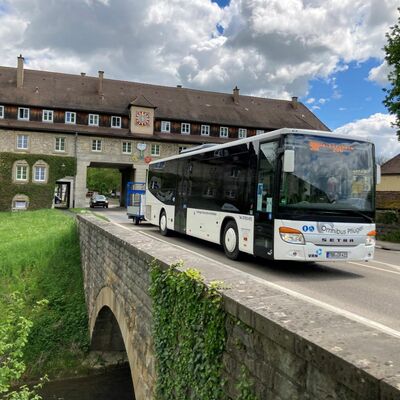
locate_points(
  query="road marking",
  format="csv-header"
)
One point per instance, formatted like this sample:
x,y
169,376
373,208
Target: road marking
x,y
348,314
371,267
397,267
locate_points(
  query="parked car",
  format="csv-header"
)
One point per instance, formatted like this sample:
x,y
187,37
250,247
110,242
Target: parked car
x,y
98,200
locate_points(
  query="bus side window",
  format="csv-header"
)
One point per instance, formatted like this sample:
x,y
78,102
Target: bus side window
x,y
266,173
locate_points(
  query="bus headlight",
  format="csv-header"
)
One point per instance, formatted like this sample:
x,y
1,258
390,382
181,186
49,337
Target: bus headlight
x,y
370,240
291,235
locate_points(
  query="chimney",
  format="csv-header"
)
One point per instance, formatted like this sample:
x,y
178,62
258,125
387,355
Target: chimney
x,y
294,102
20,72
101,77
236,95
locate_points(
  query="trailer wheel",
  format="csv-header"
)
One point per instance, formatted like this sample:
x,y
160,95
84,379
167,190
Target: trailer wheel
x,y
163,223
136,220
230,241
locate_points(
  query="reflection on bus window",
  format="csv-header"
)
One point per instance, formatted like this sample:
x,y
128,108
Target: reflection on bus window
x,y
329,173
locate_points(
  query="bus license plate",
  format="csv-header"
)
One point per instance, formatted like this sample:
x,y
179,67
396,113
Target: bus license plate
x,y
336,254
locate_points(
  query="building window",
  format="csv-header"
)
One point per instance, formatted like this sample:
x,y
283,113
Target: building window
x,y
155,149
185,128
70,117
181,148
205,130
242,133
96,145
21,173
259,132
60,144
165,126
23,114
93,119
223,131
40,174
20,202
22,142
127,147
1,112
47,116
115,122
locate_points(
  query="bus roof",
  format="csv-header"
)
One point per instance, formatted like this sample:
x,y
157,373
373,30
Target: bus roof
x,y
262,136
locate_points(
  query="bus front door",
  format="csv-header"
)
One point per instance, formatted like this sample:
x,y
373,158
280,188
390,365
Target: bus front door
x,y
182,195
263,216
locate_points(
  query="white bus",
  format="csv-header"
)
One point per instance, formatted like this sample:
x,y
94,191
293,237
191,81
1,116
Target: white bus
x,y
286,195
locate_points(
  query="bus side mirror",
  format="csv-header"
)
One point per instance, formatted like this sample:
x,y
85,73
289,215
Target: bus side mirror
x,y
288,161
378,174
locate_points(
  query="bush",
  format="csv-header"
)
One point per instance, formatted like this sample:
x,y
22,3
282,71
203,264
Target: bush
x,y
387,217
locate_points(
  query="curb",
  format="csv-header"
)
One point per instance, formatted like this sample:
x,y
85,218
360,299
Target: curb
x,y
387,245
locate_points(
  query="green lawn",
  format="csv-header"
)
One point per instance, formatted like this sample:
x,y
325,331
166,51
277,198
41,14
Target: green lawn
x,y
40,258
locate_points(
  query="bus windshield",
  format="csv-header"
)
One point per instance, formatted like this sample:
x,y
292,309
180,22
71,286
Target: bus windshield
x,y
330,174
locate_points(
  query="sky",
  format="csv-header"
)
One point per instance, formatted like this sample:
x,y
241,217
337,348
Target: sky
x,y
328,53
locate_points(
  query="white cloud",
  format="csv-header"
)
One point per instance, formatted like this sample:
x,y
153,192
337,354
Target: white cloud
x,y
378,129
379,74
268,47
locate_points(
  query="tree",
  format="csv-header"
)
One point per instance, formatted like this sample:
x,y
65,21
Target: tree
x,y
392,50
103,180
14,332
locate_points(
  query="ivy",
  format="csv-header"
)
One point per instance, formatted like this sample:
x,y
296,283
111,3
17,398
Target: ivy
x,y
40,195
189,335
245,386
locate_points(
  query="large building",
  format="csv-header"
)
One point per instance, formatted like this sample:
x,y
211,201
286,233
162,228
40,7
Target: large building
x,y
54,126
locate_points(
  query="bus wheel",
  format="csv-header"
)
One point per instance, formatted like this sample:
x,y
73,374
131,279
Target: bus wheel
x,y
230,240
163,224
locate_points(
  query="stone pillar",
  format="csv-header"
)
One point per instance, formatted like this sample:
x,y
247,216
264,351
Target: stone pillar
x,y
141,172
80,184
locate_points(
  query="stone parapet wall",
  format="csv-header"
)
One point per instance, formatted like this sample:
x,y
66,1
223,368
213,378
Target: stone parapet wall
x,y
288,347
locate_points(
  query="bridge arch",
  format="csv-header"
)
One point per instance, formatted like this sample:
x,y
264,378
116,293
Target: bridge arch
x,y
110,330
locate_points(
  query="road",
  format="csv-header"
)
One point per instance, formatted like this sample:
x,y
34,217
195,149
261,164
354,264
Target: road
x,y
365,291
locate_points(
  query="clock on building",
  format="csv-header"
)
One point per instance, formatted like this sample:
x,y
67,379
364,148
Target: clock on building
x,y
142,118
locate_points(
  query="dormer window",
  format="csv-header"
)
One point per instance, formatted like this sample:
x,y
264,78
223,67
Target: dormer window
x,y
205,130
185,128
23,114
94,119
242,133
1,112
115,122
70,117
47,116
165,126
223,132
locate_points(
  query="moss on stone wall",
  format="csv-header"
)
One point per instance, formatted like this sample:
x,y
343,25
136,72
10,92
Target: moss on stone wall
x,y
40,194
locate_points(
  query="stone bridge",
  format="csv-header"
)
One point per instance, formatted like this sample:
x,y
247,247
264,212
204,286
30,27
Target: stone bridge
x,y
291,348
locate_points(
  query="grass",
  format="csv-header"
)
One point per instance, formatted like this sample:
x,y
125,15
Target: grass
x,y
40,258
